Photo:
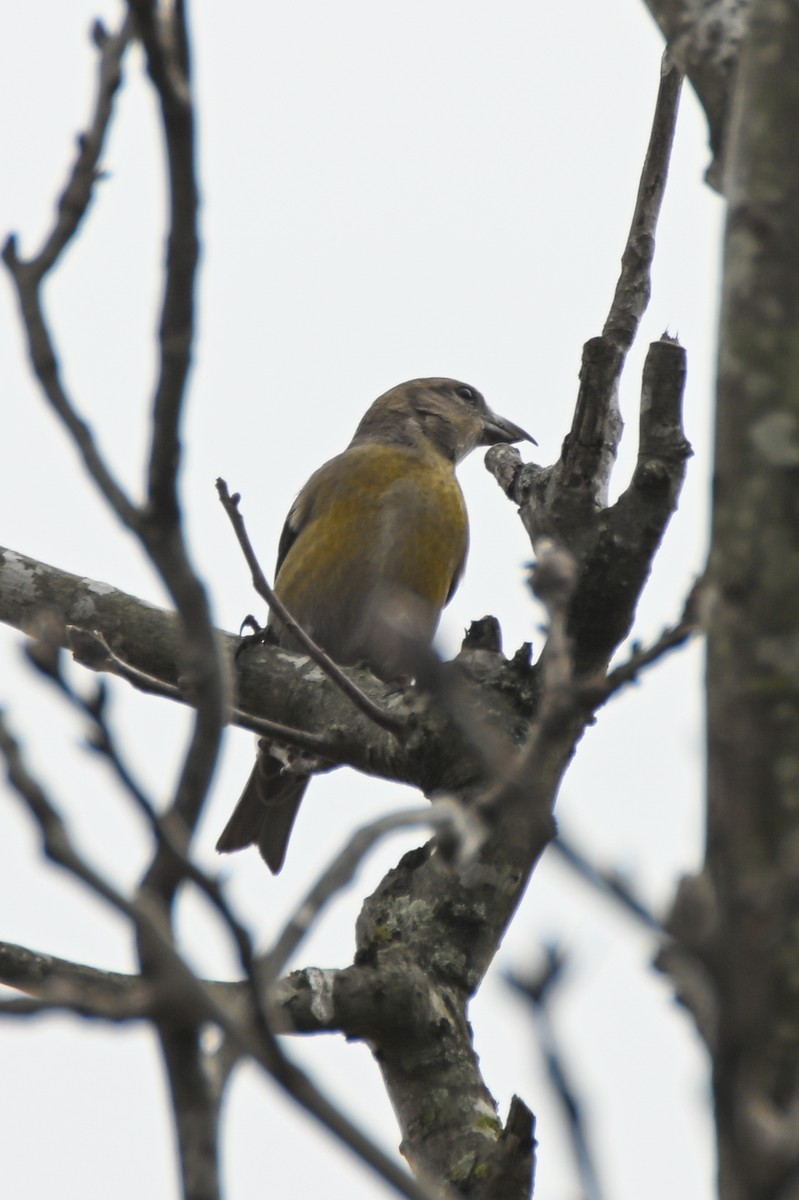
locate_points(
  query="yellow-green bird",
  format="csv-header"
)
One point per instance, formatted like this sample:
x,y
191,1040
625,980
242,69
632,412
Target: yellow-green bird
x,y
373,548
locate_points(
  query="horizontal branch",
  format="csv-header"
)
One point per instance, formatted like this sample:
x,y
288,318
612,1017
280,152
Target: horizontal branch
x,y
272,683
110,994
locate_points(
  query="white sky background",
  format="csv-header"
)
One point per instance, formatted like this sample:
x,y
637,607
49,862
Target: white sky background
x,y
389,191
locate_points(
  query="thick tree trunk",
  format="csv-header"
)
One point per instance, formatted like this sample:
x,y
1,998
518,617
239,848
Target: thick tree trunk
x,y
753,630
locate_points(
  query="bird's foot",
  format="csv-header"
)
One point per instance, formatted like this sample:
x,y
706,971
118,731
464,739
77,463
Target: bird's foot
x,y
259,635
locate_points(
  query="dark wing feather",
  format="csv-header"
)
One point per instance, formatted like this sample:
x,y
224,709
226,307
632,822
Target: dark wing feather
x,y
299,513
456,578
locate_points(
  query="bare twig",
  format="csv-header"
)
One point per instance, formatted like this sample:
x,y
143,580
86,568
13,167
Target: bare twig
x,y
64,1000
634,285
445,816
29,274
538,992
91,649
57,843
165,39
104,743
25,1006
50,978
163,32
609,883
44,651
318,744
59,847
163,542
516,796
79,189
385,720
578,485
595,692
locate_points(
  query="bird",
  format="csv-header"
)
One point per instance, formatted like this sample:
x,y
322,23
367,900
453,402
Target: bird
x,y
372,550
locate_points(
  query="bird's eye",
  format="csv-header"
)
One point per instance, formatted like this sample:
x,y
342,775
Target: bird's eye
x,y
466,394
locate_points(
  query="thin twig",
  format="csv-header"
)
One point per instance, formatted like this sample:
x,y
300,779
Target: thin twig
x,y
318,744
564,700
607,882
444,816
162,30
55,1002
165,40
57,843
538,992
78,191
46,655
516,790
28,274
596,692
42,975
91,649
104,743
580,480
634,285
385,720
109,995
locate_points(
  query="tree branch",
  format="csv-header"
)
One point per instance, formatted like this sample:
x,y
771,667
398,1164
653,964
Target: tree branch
x,y
164,36
90,649
275,685
634,287
614,546
78,191
29,274
537,990
704,39
81,989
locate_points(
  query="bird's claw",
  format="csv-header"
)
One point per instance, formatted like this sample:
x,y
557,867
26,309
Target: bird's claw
x,y
258,637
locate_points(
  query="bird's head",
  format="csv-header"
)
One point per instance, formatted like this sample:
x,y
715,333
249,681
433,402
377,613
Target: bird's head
x,y
451,415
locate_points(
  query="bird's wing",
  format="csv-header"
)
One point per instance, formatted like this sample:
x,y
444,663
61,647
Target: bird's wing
x,y
301,512
298,516
457,576
288,536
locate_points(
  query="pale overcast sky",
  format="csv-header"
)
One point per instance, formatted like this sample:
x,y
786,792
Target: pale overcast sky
x,y
389,191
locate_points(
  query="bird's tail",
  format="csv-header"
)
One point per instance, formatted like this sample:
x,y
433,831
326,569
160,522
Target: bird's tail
x,y
265,813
